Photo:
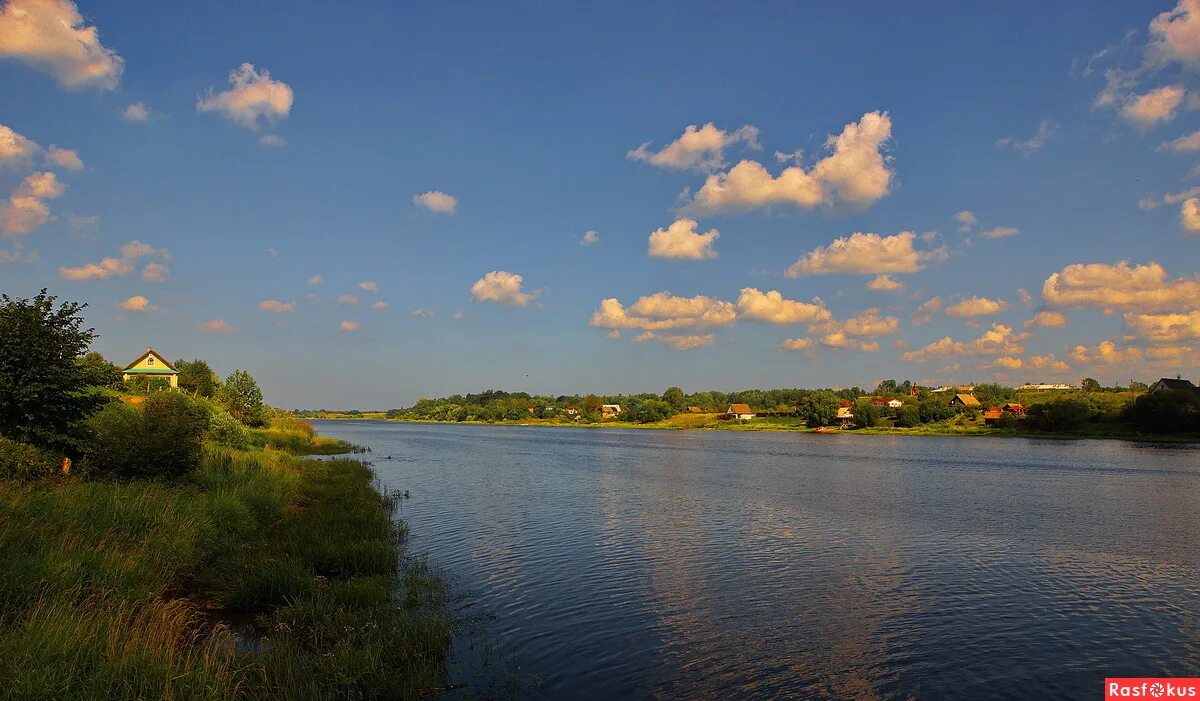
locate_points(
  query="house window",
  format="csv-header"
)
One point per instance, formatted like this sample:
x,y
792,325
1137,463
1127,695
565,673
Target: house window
x,y
150,360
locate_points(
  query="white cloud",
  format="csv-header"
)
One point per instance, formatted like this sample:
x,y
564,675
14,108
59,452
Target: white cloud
x,y
681,241
976,306
796,344
1184,144
368,286
16,151
1045,129
701,148
1106,352
348,300
1149,203
348,326
272,141
50,36
422,312
997,341
662,311
316,279
379,306
155,272
216,326
966,220
1189,214
139,305
884,283
1175,36
437,202
1047,362
1163,328
253,100
848,333
924,313
136,112
1155,107
999,232
866,254
1047,320
854,175
589,238
110,267
63,158
772,308
1120,286
26,208
675,342
502,287
1008,362
275,306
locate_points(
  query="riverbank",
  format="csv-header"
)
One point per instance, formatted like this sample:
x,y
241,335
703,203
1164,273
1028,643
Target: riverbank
x,y
261,575
711,422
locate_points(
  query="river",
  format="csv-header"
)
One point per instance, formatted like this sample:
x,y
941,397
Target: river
x,y
616,563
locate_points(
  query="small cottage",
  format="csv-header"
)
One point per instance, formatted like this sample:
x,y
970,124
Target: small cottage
x,y
740,411
610,411
1168,384
151,366
964,401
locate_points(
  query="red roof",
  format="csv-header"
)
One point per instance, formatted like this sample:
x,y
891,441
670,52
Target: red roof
x,y
845,404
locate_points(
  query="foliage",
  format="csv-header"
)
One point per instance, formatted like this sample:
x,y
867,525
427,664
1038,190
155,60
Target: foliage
x,y
25,462
992,394
43,389
226,430
866,415
935,409
908,416
1171,411
163,439
98,372
1090,385
241,396
819,409
1063,414
196,376
675,397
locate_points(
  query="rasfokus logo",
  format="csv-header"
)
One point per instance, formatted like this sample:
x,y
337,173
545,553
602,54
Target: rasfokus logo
x,y
1151,688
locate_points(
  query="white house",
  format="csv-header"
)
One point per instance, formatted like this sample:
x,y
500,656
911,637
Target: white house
x,y
895,404
740,411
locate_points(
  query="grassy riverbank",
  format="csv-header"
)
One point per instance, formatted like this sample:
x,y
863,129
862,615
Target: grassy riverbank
x,y
129,589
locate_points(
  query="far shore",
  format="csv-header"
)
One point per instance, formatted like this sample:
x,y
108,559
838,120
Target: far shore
x,y
709,422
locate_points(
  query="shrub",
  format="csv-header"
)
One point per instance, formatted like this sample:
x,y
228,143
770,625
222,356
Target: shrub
x,y
1065,414
161,440
1165,412
932,410
909,416
226,430
866,415
23,461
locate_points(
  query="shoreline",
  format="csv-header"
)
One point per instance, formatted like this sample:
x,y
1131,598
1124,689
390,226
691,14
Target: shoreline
x,y
750,427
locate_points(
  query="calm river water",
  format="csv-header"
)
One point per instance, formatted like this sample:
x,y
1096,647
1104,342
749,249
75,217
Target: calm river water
x,y
660,564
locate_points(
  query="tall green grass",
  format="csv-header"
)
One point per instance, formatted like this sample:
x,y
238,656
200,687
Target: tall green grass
x,y
120,589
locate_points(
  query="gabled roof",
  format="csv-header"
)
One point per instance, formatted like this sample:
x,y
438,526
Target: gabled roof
x,y
992,413
740,409
966,399
1172,383
1012,406
167,367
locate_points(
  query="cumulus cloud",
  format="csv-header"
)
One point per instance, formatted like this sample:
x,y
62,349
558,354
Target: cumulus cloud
x,y
275,306
796,344
139,305
437,202
589,238
216,326
16,151
1184,144
998,340
348,326
884,283
663,311
155,272
502,287
253,99
976,306
316,279
867,254
423,312
699,148
681,241
1045,129
1149,203
1120,286
966,220
50,36
1008,362
1163,328
1155,107
676,341
131,253
771,307
1175,36
26,208
348,300
368,286
136,112
924,313
866,323
1107,353
272,141
1189,214
1047,320
63,158
379,306
855,175
1047,362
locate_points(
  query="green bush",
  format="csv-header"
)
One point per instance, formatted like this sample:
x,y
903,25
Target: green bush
x,y
909,416
1165,412
23,461
866,415
1065,414
226,430
162,440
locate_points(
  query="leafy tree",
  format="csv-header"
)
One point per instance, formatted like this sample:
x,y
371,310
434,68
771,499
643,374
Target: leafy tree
x,y
674,396
98,372
1090,385
908,416
43,390
866,415
196,376
819,409
592,404
1063,414
992,394
1173,411
934,409
886,388
241,397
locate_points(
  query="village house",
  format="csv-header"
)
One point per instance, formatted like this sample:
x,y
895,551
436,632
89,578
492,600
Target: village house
x,y
610,411
740,411
1043,387
964,401
845,416
992,415
695,410
1168,384
884,402
151,366
571,410
1014,409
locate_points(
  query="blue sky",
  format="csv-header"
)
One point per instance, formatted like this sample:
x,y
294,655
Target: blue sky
x,y
1054,120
